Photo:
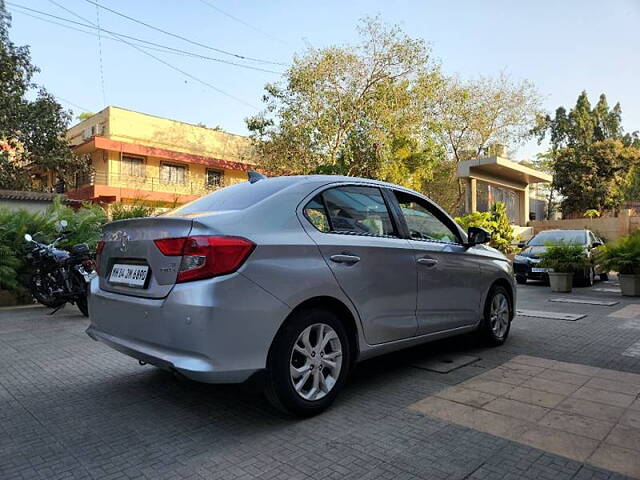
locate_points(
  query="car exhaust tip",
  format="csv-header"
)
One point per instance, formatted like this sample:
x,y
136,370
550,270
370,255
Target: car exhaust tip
x,y
142,363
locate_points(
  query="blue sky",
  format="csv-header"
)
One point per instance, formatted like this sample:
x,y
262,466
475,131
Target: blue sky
x,y
561,46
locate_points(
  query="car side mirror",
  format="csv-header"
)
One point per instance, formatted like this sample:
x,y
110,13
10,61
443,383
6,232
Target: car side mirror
x,y
522,244
596,244
477,236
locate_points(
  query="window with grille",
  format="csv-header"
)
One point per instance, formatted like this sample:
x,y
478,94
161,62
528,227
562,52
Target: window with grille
x,y
172,173
214,178
132,166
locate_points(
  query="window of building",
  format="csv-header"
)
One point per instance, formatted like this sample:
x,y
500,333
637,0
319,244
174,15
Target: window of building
x,y
421,222
488,195
358,210
214,178
132,166
173,173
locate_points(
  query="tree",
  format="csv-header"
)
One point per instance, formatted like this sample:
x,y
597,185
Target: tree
x,y
471,115
32,132
496,222
84,116
353,110
468,116
591,157
382,109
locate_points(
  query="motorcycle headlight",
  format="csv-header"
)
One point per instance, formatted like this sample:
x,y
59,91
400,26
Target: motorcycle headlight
x,y
520,258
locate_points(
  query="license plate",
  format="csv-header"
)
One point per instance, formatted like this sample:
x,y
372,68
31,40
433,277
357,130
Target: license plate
x,y
130,275
541,270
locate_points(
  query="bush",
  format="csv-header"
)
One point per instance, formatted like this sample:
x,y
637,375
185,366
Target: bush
x,y
85,224
564,258
622,256
496,222
137,209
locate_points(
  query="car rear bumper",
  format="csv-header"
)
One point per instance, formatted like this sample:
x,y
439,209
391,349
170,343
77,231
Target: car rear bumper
x,y
215,331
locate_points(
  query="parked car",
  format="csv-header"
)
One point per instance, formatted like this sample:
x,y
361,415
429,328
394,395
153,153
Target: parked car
x,y
525,262
293,280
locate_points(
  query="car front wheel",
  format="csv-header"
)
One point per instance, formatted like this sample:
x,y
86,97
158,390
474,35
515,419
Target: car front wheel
x,y
498,312
308,363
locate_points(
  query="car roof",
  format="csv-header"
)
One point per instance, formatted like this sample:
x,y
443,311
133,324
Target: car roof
x,y
327,179
565,230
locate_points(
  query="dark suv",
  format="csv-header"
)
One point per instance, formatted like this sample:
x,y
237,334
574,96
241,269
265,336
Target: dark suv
x,y
525,263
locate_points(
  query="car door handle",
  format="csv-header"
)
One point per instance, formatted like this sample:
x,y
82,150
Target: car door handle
x,y
348,259
429,262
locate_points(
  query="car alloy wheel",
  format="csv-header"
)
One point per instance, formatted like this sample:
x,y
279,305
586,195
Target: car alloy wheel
x,y
499,315
316,361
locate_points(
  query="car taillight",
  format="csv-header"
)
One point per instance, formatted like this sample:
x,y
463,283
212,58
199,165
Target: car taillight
x,y
99,249
206,256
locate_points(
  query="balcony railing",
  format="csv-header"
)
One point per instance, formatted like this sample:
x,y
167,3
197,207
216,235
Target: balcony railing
x,y
190,185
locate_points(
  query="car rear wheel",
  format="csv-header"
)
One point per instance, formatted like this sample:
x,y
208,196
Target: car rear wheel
x,y
498,311
308,363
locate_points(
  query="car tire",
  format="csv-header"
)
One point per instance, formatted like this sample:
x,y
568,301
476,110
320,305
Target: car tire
x,y
498,312
300,380
521,279
604,277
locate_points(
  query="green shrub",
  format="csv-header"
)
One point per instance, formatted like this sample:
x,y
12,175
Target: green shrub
x,y
84,223
496,222
622,256
137,209
564,258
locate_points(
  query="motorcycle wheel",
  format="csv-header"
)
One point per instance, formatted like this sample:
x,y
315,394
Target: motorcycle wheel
x,y
42,297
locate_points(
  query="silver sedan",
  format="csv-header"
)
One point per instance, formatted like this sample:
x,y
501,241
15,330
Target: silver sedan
x,y
292,280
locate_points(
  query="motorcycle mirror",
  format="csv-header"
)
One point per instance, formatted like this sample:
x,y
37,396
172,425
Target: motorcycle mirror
x,y
28,237
62,224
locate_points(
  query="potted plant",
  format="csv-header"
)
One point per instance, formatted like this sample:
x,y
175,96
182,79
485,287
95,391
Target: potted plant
x,y
563,261
623,256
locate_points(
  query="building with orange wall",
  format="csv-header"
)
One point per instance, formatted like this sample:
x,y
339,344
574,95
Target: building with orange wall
x,y
140,157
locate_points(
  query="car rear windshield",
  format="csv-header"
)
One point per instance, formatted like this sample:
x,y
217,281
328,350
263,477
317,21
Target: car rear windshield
x,y
234,197
575,237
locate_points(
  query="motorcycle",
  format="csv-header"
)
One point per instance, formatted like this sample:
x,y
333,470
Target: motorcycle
x,y
59,276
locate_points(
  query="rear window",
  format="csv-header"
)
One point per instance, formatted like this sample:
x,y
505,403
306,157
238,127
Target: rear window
x,y
235,197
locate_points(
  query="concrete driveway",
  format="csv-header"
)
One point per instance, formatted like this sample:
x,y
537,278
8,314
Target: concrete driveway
x,y
72,408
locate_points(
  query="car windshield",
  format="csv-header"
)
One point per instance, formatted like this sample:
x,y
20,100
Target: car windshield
x,y
556,237
234,197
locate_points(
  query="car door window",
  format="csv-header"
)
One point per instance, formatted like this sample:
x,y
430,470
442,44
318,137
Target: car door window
x,y
358,210
422,223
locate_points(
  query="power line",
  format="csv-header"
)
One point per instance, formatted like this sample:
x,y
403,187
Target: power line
x,y
239,20
71,103
104,97
160,47
243,57
173,67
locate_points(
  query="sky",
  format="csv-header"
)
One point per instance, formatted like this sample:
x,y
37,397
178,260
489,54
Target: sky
x,y
563,47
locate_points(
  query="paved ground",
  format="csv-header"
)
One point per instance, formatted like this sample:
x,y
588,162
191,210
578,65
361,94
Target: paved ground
x,y
72,408
581,412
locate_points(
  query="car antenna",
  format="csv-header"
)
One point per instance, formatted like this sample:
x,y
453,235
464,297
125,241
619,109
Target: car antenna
x,y
255,176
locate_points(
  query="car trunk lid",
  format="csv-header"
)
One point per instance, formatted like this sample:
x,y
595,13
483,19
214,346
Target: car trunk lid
x,y
130,262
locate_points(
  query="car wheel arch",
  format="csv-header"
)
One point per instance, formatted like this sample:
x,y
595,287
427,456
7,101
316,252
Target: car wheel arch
x,y
336,306
508,287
